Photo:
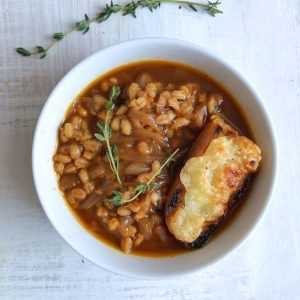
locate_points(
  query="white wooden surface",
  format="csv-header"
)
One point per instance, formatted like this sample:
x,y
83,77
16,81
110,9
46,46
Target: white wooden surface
x,y
260,38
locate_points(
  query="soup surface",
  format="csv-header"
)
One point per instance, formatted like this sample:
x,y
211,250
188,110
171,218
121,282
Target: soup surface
x,y
156,111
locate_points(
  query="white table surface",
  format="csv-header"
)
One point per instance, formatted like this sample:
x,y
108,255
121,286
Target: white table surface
x,y
260,38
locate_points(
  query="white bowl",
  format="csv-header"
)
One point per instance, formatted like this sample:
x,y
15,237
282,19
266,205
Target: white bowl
x,y
45,140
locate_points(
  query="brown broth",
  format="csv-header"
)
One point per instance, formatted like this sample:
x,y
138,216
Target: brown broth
x,y
165,72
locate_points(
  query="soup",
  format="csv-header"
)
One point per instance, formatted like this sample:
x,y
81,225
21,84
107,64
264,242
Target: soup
x,y
114,142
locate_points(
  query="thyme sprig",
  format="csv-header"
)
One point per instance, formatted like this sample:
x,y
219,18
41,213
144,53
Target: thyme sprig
x,y
105,133
129,8
117,197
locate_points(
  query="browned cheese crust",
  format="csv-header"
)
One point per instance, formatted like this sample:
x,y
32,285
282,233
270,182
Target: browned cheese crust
x,y
214,177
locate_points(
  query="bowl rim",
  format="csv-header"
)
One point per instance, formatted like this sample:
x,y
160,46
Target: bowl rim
x,y
218,60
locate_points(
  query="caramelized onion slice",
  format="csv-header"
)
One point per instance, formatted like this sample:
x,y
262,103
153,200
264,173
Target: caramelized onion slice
x,y
146,119
134,156
69,181
146,226
91,200
136,168
144,134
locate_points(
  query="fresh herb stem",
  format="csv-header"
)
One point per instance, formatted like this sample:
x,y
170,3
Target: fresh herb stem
x,y
106,133
129,8
112,161
210,7
117,198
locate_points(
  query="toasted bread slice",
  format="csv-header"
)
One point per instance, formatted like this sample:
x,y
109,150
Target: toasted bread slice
x,y
214,177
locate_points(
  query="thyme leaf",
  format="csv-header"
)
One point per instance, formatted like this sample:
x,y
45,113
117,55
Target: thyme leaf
x,y
23,51
83,25
116,199
58,36
212,8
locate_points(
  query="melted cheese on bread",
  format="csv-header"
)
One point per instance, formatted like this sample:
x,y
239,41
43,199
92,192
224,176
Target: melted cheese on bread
x,y
210,181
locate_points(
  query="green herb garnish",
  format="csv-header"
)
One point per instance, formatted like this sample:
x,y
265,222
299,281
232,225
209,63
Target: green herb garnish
x,y
129,8
117,198
105,134
212,8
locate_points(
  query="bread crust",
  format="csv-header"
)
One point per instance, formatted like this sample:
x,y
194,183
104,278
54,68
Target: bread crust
x,y
214,177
